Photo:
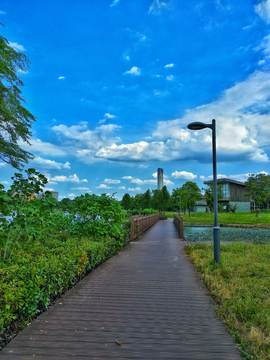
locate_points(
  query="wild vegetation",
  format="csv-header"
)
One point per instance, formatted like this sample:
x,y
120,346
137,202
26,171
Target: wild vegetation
x,y
44,248
225,218
240,285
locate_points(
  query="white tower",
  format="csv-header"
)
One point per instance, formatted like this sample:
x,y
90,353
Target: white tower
x,y
159,178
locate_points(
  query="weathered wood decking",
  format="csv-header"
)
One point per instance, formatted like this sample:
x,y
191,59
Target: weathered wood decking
x,y
147,297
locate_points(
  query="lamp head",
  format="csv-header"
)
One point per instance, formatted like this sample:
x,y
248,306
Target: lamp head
x,y
197,126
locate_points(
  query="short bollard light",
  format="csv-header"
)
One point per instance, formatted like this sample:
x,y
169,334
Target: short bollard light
x,y
216,230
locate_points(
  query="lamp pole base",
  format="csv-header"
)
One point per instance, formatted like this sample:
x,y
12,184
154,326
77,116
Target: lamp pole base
x,y
216,232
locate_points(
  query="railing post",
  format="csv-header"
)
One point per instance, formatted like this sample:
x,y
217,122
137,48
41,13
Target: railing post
x,y
131,228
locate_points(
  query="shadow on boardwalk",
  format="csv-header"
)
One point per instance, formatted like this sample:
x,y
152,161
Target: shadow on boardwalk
x,y
147,297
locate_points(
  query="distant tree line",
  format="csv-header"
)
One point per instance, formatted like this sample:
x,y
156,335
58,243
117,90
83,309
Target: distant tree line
x,y
162,200
257,187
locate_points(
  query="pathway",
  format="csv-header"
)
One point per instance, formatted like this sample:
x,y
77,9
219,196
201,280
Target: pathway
x,y
147,297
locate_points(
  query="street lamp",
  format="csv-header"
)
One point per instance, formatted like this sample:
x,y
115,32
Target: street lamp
x,y
200,126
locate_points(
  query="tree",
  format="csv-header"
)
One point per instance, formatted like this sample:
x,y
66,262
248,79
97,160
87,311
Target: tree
x,y
15,119
209,195
190,193
146,200
258,188
160,199
126,202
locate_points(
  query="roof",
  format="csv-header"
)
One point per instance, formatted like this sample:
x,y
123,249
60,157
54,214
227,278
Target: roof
x,y
225,180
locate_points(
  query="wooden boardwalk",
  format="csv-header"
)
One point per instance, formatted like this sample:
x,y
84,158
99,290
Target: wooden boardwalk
x,y
147,297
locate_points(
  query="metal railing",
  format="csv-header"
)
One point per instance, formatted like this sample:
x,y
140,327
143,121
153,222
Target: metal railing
x,y
179,224
139,224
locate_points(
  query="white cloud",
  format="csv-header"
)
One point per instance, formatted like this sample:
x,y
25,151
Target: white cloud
x,y
141,37
48,189
3,164
16,46
112,181
169,66
127,177
103,186
169,77
71,178
122,188
237,177
49,164
85,142
61,78
115,2
133,71
45,148
157,6
243,129
147,181
134,189
109,116
263,10
127,57
4,182
183,175
102,121
81,188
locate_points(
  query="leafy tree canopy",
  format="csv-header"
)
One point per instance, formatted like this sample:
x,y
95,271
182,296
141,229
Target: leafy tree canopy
x,y
258,188
15,119
209,195
126,201
190,193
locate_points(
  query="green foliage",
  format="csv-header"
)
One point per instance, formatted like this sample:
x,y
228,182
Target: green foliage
x,y
15,122
146,200
126,202
96,216
209,195
258,188
160,199
22,217
232,208
190,193
32,277
241,287
146,212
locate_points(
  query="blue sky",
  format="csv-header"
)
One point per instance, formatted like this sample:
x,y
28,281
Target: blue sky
x,y
114,83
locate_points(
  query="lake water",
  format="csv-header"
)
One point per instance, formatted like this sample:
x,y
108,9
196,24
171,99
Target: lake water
x,y
227,234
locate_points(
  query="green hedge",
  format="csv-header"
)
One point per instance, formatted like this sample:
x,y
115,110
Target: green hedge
x,y
32,277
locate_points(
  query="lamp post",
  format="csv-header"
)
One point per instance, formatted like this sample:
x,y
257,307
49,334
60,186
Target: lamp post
x,y
200,126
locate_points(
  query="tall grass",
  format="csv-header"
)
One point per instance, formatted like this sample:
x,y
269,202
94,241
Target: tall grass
x,y
226,218
240,284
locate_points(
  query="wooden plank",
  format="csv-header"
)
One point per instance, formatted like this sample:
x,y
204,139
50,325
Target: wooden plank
x,y
148,297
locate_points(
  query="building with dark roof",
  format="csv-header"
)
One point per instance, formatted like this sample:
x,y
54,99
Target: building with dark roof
x,y
233,195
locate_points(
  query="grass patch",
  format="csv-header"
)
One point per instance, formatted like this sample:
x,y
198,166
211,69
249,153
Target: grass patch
x,y
240,285
226,218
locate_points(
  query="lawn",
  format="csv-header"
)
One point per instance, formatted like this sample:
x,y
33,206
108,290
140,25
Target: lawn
x,y
240,285
225,218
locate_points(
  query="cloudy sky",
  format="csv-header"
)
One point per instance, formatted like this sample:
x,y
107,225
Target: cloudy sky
x,y
114,84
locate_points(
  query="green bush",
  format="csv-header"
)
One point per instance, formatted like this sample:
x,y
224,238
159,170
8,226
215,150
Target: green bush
x,y
32,277
146,212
